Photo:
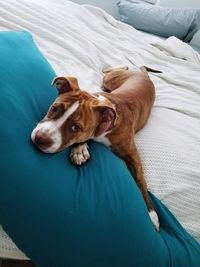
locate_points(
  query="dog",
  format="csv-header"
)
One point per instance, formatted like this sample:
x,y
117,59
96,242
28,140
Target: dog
x,y
111,117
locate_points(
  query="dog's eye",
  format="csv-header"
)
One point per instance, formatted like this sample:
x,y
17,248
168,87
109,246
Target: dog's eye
x,y
75,128
53,109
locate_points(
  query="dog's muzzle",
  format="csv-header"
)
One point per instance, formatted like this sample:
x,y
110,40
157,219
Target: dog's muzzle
x,y
42,140
46,137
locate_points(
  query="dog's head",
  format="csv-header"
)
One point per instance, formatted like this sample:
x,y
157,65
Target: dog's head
x,y
114,77
74,117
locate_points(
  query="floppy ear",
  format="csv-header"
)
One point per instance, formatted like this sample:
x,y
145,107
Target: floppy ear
x,y
111,69
66,84
107,117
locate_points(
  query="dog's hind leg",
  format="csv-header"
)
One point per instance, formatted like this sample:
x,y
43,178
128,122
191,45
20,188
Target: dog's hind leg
x,y
134,164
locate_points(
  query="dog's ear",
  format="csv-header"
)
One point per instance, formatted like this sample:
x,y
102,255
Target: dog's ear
x,y
107,118
111,69
66,84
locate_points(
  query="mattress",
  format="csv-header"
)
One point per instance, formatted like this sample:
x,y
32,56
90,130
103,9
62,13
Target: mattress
x,y
169,144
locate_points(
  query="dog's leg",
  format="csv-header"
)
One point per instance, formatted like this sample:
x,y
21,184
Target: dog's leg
x,y
79,154
134,164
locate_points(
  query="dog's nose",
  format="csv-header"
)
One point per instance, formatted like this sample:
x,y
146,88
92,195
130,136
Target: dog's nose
x,y
42,140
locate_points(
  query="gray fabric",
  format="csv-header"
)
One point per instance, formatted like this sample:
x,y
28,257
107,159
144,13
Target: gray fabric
x,y
195,47
195,42
166,22
179,3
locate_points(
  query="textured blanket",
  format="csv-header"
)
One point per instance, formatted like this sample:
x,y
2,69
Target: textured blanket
x,y
82,40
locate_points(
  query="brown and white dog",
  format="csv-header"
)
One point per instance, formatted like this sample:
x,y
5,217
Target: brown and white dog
x,y
111,117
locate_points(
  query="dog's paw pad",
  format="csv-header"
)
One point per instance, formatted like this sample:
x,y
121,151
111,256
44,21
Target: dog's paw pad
x,y
154,218
80,154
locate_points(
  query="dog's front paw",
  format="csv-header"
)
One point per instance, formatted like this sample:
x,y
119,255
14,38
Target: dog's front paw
x,y
154,218
80,154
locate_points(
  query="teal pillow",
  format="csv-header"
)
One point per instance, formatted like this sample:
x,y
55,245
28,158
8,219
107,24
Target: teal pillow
x,y
62,215
182,23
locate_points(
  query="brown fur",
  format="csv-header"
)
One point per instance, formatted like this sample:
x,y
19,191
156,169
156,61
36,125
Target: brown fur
x,y
87,117
133,94
128,101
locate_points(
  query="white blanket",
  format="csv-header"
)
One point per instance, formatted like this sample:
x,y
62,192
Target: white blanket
x,y
81,41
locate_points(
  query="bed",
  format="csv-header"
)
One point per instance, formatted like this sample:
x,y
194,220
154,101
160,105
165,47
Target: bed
x,y
169,145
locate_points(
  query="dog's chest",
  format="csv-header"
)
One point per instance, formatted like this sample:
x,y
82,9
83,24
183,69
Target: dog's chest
x,y
103,139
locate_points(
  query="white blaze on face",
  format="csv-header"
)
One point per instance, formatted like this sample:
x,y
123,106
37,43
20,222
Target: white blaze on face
x,y
52,128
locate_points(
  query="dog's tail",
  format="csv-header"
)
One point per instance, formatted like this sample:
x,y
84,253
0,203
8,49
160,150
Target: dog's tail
x,y
146,69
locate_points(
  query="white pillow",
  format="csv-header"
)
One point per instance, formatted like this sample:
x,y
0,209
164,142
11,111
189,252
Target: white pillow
x,y
179,3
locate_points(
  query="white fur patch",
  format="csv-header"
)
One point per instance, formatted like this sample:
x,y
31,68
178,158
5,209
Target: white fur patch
x,y
52,128
154,218
102,98
102,139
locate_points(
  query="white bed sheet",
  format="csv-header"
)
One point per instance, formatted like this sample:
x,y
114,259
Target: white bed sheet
x,y
82,40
